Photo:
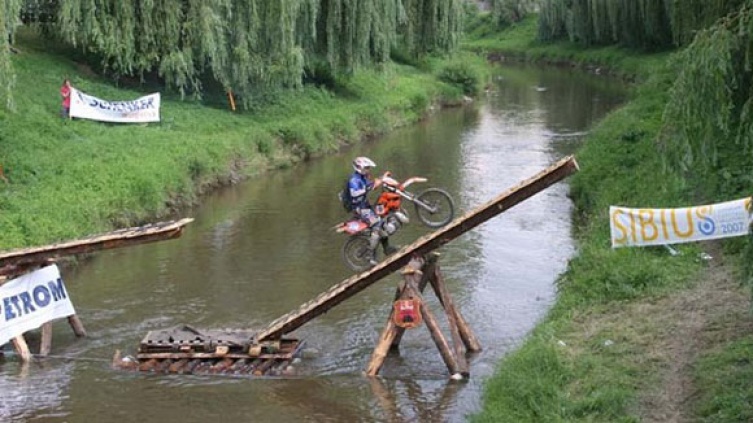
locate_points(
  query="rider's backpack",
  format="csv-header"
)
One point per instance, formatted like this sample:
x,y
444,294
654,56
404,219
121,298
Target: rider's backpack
x,y
345,198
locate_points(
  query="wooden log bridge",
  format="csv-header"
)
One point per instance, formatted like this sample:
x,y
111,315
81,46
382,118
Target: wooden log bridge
x,y
424,245
266,352
18,262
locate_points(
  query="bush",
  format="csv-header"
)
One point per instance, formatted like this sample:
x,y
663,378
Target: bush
x,y
463,75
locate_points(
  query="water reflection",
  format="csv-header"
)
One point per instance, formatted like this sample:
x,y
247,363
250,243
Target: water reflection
x,y
262,248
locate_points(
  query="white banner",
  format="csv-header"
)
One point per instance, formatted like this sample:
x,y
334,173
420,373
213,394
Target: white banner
x,y
639,227
144,109
32,300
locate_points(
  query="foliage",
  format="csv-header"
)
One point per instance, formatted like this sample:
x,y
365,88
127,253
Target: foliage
x,y
723,380
709,120
432,26
250,47
9,10
647,24
519,41
68,179
465,72
506,12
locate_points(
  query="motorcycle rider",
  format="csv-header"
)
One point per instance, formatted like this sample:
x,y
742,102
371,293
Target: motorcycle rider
x,y
359,185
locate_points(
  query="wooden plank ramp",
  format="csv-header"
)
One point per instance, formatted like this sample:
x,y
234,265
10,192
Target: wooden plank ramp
x,y
356,283
16,261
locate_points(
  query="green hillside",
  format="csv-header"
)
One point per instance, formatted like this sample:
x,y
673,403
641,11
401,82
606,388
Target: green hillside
x,y
71,178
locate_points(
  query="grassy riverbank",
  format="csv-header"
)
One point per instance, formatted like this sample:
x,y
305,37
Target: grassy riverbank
x,y
73,178
635,334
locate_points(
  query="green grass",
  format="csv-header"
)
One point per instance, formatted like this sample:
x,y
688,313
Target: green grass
x,y
73,178
578,365
519,41
598,352
583,380
723,378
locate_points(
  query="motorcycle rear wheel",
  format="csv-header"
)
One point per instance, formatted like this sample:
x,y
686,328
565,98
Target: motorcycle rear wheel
x,y
434,207
355,253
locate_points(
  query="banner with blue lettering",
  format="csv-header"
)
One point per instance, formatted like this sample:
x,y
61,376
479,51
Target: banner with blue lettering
x,y
639,227
143,109
32,300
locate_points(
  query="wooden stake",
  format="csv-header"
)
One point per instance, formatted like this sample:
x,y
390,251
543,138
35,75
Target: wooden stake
x,y
77,326
466,334
22,348
46,343
411,289
232,100
444,298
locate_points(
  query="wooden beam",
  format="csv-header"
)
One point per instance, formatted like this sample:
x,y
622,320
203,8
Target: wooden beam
x,y
447,304
424,245
46,343
11,261
436,333
77,325
464,329
22,348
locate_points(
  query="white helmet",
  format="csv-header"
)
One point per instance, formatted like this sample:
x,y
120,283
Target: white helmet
x,y
362,164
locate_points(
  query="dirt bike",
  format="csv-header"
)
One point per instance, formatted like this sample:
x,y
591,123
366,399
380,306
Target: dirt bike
x,y
434,208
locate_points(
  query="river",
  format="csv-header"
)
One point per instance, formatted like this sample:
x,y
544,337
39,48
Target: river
x,y
261,248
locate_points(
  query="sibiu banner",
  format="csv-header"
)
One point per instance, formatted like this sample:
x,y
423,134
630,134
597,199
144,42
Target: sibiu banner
x,y
144,109
640,227
32,300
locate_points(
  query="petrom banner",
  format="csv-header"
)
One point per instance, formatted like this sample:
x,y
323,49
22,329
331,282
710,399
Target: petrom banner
x,y
143,109
640,227
32,300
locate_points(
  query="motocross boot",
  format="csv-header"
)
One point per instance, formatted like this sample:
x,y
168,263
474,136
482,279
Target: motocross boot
x,y
387,248
373,243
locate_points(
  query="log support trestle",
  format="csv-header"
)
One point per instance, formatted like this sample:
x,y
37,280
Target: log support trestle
x,y
416,275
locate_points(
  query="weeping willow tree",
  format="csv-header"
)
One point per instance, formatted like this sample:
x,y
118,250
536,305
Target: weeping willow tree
x,y
246,45
505,12
9,12
431,25
251,46
709,119
351,33
649,24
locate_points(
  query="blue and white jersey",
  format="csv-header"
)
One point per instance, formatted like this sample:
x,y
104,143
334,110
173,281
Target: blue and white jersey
x,y
359,187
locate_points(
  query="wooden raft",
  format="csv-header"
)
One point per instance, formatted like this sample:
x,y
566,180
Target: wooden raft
x,y
186,350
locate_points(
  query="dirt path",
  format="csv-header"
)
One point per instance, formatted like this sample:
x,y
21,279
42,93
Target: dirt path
x,y
695,321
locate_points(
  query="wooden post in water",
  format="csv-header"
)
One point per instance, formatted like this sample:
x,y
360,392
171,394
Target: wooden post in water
x,y
456,319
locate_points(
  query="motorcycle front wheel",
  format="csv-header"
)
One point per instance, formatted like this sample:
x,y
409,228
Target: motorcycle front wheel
x,y
356,253
434,207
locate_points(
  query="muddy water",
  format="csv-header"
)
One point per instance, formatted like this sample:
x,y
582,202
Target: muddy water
x,y
260,249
